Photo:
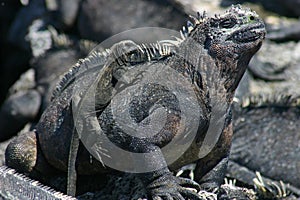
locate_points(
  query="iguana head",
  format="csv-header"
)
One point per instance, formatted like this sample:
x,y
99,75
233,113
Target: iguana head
x,y
231,38
237,31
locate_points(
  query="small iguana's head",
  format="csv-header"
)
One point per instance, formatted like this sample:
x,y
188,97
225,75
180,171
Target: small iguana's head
x,y
237,32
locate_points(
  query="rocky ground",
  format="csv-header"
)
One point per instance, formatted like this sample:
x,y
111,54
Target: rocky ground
x,y
31,28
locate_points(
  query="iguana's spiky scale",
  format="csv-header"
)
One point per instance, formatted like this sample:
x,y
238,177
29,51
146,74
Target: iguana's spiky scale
x,y
95,58
138,54
14,185
279,100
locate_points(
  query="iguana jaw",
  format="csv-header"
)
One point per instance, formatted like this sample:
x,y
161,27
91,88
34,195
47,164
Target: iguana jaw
x,y
248,34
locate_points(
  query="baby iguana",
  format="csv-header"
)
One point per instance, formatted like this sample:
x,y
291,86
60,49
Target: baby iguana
x,y
187,85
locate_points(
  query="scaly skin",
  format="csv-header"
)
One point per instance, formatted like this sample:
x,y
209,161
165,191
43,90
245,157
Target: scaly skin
x,y
212,57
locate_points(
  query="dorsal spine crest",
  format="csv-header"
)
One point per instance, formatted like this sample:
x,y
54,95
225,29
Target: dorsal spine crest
x,y
94,58
192,23
147,52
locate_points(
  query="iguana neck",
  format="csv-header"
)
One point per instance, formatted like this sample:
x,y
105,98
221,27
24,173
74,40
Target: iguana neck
x,y
209,70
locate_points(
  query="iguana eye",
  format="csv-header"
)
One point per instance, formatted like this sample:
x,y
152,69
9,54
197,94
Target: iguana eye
x,y
228,23
251,17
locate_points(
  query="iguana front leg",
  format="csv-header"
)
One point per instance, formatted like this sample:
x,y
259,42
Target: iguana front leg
x,y
210,171
162,184
165,185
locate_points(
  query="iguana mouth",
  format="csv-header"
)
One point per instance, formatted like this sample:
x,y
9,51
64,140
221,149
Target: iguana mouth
x,y
248,34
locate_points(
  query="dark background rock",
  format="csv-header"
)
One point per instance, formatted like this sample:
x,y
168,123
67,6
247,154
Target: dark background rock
x,y
99,19
276,68
17,110
49,69
10,67
286,33
19,28
266,137
21,107
290,8
68,10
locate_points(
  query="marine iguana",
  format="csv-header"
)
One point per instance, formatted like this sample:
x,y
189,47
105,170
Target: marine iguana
x,y
211,57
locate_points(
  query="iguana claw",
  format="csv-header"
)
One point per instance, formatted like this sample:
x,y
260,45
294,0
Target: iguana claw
x,y
170,187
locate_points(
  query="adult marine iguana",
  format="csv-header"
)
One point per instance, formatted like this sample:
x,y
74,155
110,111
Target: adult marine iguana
x,y
208,63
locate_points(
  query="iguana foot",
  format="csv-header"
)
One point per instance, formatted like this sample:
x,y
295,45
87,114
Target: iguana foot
x,y
23,155
170,187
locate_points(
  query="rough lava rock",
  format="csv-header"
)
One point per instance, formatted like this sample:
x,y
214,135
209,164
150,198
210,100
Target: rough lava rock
x,y
266,138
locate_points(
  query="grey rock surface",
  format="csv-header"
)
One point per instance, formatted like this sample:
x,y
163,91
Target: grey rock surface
x,y
17,111
266,137
18,29
276,68
68,11
289,8
99,19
